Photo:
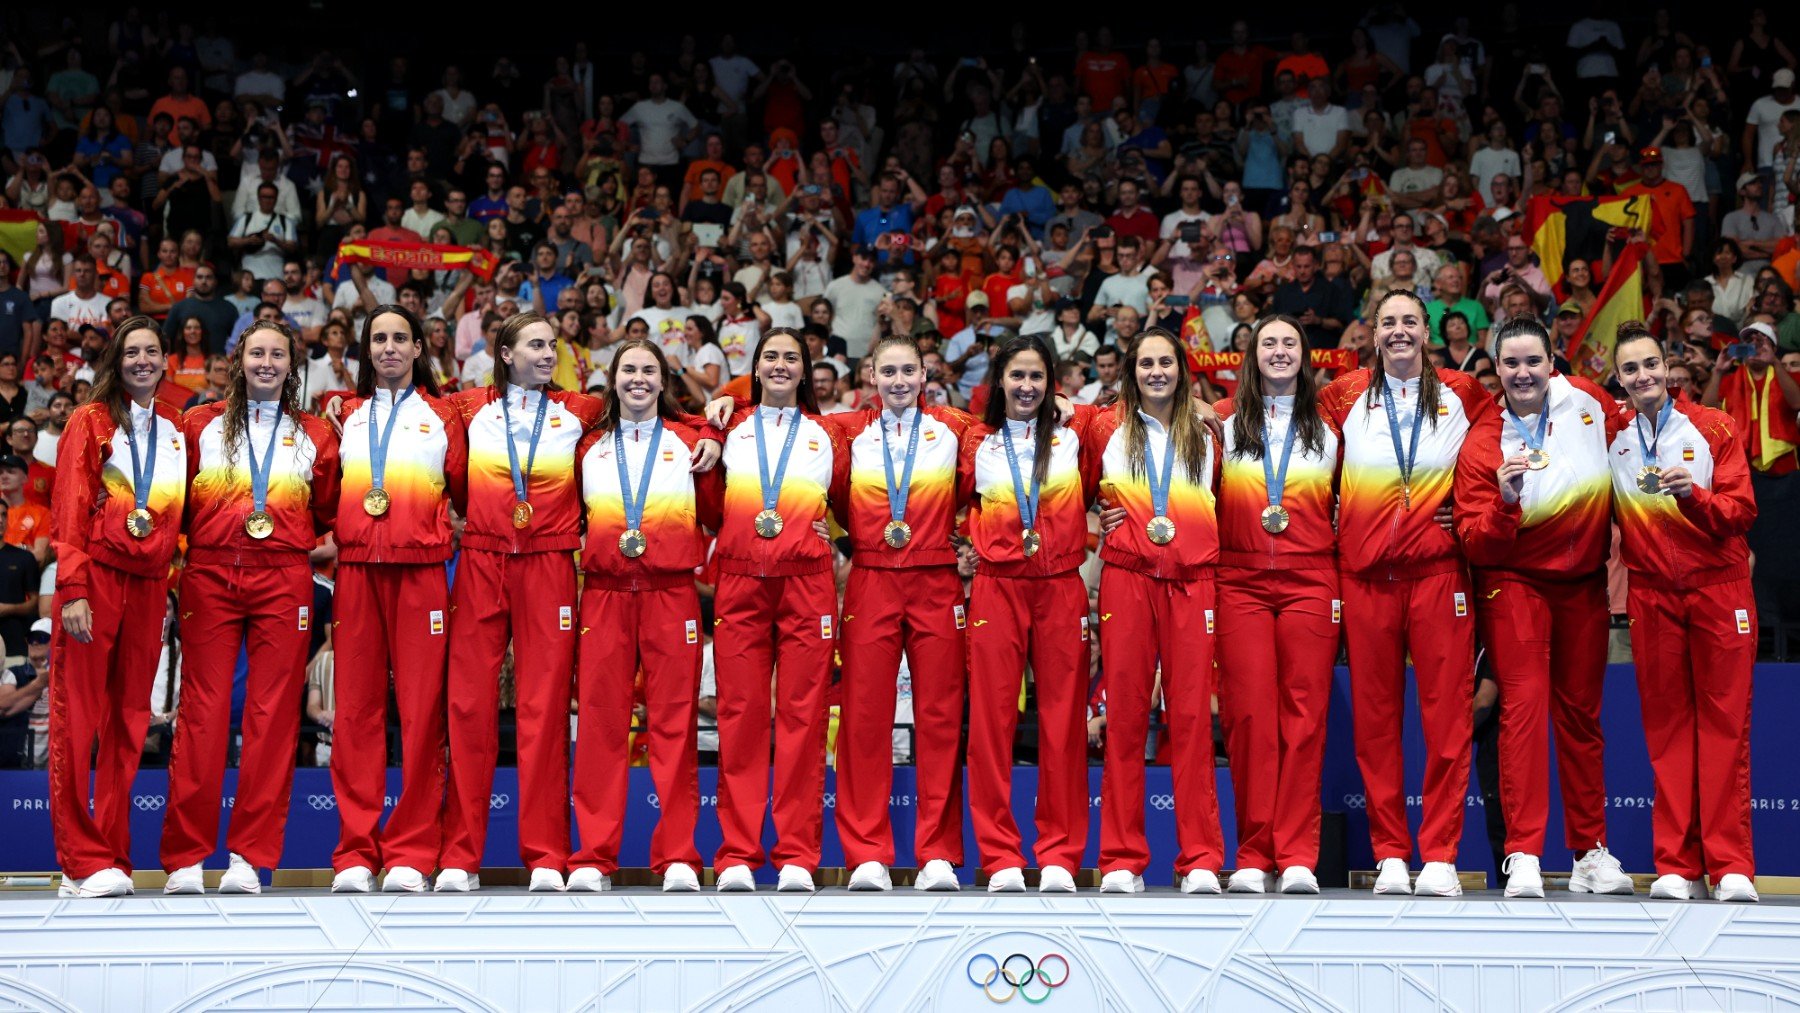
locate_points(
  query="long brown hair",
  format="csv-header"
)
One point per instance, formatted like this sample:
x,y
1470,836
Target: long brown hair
x,y
665,402
511,329
109,388
995,415
237,399
804,395
422,376
1186,433
1429,395
1247,411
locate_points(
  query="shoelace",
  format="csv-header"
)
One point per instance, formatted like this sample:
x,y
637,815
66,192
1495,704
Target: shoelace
x,y
1602,857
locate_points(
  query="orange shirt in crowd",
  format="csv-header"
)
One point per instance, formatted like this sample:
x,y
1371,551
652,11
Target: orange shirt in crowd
x,y
1669,207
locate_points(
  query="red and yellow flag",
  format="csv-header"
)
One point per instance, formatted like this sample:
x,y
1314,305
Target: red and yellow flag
x,y
1621,299
423,256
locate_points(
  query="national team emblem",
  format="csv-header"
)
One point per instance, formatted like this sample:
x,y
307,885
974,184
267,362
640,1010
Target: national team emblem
x,y
556,422
424,428
305,618
1056,441
1084,629
825,627
565,618
1462,605
930,435
288,440
1337,611
1586,419
1743,621
1687,452
1209,621
693,631
812,446
437,622
1443,411
668,455
962,616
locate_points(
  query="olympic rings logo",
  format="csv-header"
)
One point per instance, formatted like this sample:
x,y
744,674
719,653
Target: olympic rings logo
x,y
1162,803
1017,982
148,803
499,801
1355,802
320,803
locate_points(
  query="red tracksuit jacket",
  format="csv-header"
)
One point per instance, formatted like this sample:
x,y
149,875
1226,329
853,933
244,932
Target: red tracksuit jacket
x,y
678,505
303,485
985,479
1377,539
1310,541
1679,544
96,457
1192,501
861,502
427,469
552,488
1560,530
819,461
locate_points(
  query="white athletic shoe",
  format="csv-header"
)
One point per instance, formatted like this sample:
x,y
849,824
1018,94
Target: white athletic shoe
x,y
1392,877
546,881
105,883
456,881
680,877
240,877
1055,879
191,879
1675,887
588,879
1735,886
871,876
1438,879
403,879
1299,879
1524,875
1249,881
795,879
937,875
356,879
1599,872
1007,881
1200,881
735,879
1121,881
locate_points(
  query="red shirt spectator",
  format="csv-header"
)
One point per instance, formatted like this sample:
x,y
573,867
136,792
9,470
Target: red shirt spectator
x,y
1239,70
1137,222
1672,211
1103,72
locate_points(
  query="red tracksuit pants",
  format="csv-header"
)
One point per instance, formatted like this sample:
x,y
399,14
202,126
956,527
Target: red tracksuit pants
x,y
658,630
1043,621
1432,618
1547,642
921,612
1278,640
389,617
1694,651
785,627
1144,621
101,691
529,600
222,607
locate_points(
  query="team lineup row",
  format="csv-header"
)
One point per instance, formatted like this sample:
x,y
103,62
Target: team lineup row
x,y
1399,505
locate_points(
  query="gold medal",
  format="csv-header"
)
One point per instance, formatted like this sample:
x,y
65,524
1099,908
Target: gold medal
x,y
1031,542
1275,519
1537,460
632,543
521,514
897,534
259,525
768,523
1650,480
1161,530
139,523
376,502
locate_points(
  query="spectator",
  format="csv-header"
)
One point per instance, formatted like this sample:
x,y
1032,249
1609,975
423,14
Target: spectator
x,y
18,590
1132,218
84,303
1672,226
19,324
1320,126
1321,306
664,126
1755,231
1519,269
1130,286
1763,124
27,523
854,298
264,238
24,721
1448,297
208,305
1104,388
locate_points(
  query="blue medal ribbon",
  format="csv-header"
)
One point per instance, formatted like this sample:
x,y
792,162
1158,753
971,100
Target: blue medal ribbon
x,y
1411,456
1159,488
1662,419
143,476
1532,441
1027,505
1275,481
634,507
771,487
897,494
512,451
259,479
378,450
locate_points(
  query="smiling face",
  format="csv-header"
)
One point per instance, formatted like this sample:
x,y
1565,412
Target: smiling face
x,y
141,363
531,358
639,383
1400,327
780,368
1524,365
1156,367
1280,353
1025,383
1643,372
898,374
267,361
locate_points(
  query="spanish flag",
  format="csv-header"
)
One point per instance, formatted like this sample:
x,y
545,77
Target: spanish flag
x,y
427,256
1621,299
18,234
1562,229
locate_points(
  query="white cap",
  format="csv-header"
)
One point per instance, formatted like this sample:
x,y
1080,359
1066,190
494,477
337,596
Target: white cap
x,y
41,626
1750,333
1783,78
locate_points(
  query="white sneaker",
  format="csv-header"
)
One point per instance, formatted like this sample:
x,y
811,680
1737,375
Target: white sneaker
x,y
403,879
588,880
680,877
240,877
937,875
1200,881
1524,875
1599,872
1121,881
356,879
1249,881
871,876
191,879
1438,879
1007,881
105,883
456,881
1055,879
546,881
795,879
1675,887
1299,879
1732,886
735,879
1392,877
